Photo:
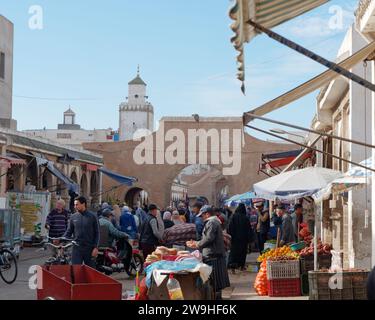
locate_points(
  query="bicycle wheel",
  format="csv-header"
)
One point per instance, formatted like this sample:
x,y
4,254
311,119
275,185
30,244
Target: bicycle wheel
x,y
8,267
136,264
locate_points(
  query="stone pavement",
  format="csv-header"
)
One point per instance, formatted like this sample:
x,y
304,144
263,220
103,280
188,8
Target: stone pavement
x,y
241,282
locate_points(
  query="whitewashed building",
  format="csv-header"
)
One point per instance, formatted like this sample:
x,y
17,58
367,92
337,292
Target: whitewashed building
x,y
347,109
71,134
366,25
6,73
137,114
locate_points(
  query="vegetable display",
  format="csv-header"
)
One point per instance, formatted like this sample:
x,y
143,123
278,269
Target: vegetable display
x,y
305,234
323,249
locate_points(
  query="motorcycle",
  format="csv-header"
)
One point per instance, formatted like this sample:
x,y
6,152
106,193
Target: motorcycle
x,y
125,256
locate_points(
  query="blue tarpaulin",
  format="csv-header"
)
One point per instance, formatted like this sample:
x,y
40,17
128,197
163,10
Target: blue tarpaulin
x,y
70,184
118,177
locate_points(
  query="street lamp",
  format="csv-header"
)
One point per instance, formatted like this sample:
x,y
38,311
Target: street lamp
x,y
281,131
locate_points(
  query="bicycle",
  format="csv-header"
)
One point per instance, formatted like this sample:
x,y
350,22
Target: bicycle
x,y
8,265
61,257
136,259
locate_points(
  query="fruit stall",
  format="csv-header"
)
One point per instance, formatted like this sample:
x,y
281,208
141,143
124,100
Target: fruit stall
x,y
279,274
290,271
172,274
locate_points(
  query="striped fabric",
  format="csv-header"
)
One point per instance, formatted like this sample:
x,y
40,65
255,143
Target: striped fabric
x,y
219,275
179,234
271,13
268,13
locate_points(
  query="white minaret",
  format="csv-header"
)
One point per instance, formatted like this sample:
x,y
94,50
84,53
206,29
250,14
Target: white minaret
x,y
6,73
137,113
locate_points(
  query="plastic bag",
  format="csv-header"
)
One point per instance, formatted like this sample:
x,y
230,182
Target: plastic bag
x,y
336,262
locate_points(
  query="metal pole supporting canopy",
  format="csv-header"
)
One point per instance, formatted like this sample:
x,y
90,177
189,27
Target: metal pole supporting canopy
x,y
311,85
331,65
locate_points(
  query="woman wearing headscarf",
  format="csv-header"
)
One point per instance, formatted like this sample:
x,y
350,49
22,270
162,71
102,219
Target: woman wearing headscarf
x,y
240,230
167,219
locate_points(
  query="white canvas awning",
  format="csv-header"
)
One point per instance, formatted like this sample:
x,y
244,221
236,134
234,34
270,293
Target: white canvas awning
x,y
268,13
311,85
296,184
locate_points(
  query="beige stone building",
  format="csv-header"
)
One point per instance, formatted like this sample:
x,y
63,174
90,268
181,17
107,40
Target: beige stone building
x,y
241,155
19,167
6,73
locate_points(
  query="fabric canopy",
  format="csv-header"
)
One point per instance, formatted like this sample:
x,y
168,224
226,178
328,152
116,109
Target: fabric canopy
x,y
71,185
283,162
296,184
245,198
7,162
356,177
117,177
279,155
268,13
311,85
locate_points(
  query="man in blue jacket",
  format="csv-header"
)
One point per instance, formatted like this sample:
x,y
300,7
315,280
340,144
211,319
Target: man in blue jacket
x,y
84,227
128,224
197,219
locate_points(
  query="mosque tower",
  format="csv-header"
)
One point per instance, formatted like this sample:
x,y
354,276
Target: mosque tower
x,y
137,113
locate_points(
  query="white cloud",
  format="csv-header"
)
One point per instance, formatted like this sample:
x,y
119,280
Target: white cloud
x,y
337,20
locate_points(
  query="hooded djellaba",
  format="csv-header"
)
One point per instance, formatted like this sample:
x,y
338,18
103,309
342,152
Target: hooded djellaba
x,y
240,230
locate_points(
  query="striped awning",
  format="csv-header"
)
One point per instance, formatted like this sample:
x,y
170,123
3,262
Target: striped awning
x,y
7,162
269,14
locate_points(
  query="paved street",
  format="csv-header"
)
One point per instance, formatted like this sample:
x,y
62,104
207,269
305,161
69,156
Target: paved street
x,y
241,282
20,290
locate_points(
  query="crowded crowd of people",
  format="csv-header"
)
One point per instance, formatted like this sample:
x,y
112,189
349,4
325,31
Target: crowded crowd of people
x,y
244,230
223,236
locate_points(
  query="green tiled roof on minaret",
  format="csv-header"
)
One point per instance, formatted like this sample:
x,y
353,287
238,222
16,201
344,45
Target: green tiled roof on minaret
x,y
138,79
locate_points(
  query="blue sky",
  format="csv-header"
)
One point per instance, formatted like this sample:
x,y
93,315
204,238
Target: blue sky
x,y
89,50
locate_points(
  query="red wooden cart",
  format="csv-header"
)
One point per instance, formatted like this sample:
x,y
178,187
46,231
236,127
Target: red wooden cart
x,y
78,282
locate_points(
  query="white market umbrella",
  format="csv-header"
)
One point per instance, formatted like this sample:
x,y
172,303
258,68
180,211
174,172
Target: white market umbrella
x,y
356,177
296,184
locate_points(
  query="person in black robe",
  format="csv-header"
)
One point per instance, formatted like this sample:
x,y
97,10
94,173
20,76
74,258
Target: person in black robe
x,y
240,230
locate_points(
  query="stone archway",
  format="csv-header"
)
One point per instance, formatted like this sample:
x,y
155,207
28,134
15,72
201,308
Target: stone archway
x,y
156,175
47,180
94,189
74,176
84,185
136,196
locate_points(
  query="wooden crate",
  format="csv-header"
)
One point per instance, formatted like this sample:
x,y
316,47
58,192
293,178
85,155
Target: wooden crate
x,y
307,263
353,285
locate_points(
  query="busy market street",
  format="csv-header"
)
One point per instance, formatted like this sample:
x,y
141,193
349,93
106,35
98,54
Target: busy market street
x,y
20,289
196,152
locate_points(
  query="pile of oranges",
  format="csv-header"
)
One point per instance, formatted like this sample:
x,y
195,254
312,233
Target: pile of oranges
x,y
260,284
283,253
